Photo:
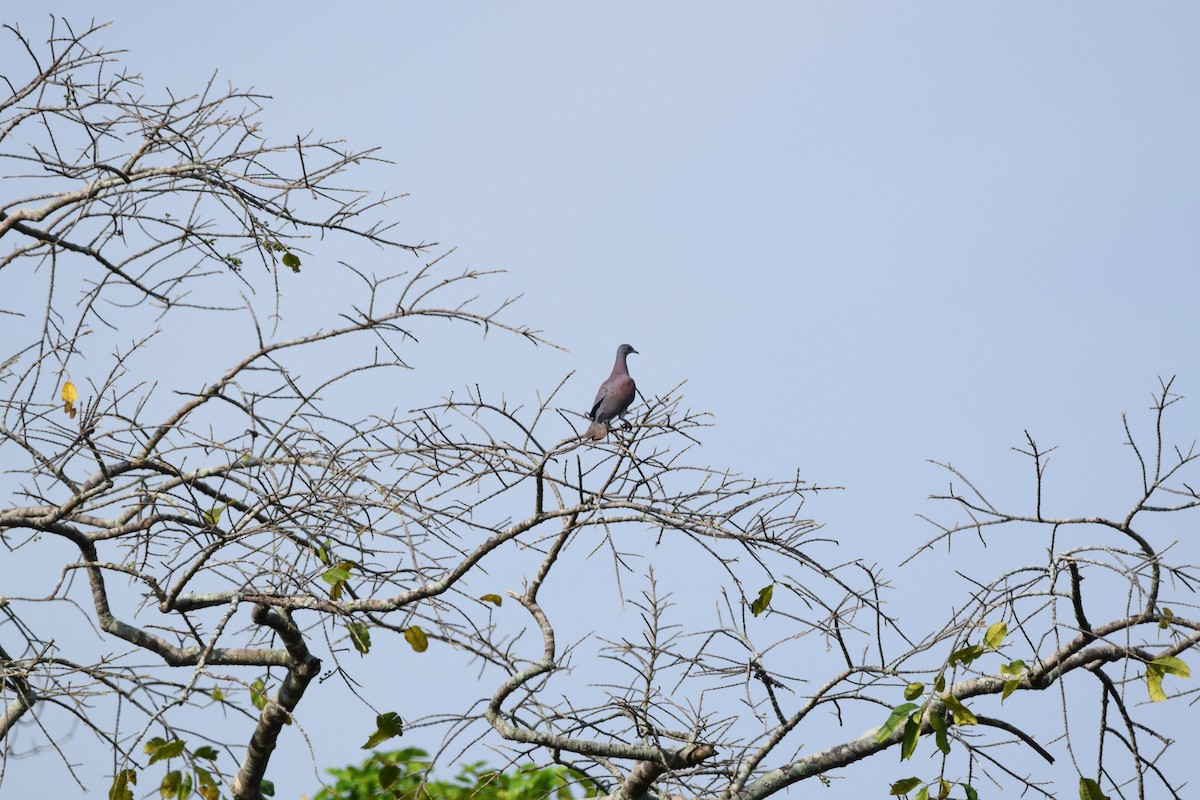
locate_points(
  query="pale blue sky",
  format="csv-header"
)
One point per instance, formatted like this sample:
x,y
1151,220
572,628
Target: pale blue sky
x,y
866,234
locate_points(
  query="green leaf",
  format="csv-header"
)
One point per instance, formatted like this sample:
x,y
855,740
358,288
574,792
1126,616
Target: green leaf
x,y
388,774
258,694
119,789
417,638
944,788
160,750
1016,669
170,783
205,752
1013,667
966,655
212,517
205,781
185,787
336,577
995,636
942,741
904,786
1173,666
764,600
291,260
1090,790
913,691
494,599
360,637
922,793
1168,616
969,790
912,733
267,787
961,715
338,574
386,726
170,750
1160,667
938,723
893,721
939,685
217,693
1154,677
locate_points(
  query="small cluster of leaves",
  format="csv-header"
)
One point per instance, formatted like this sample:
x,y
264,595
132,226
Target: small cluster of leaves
x,y
912,714
336,577
179,784
290,259
404,775
360,633
992,639
939,789
943,711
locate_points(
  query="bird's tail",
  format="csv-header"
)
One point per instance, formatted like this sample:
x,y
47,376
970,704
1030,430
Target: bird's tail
x,y
596,431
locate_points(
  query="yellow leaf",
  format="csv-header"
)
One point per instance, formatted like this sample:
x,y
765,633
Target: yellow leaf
x,y
904,786
995,636
212,517
962,715
494,599
417,638
69,396
1157,669
1173,666
1154,678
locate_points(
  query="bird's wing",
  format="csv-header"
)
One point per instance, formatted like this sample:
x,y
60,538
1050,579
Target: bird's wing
x,y
600,398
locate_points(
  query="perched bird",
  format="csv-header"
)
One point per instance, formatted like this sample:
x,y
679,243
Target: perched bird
x,y
614,397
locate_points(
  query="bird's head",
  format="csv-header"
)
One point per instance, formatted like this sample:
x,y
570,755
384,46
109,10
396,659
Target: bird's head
x,y
625,350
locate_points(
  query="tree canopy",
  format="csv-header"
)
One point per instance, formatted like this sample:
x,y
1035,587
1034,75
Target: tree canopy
x,y
218,508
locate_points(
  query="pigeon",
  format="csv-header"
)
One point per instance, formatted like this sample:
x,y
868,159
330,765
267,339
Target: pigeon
x,y
614,397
